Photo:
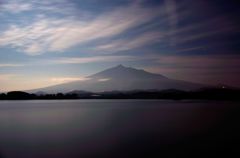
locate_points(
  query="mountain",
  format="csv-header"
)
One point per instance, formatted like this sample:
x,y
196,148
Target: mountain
x,y
121,78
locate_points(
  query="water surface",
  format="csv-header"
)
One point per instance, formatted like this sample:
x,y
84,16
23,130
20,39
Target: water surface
x,y
116,128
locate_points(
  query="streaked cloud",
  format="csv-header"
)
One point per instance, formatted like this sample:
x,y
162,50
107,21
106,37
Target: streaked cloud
x,y
104,79
14,6
207,69
59,80
191,49
57,26
11,65
199,61
63,7
56,35
77,60
138,41
171,10
94,59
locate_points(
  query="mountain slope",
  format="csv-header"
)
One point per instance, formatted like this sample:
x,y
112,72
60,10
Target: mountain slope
x,y
122,78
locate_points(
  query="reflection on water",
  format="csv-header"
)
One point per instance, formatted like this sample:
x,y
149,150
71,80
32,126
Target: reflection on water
x,y
115,128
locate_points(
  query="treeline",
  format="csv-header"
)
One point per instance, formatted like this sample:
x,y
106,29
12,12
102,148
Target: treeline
x,y
172,94
202,94
18,95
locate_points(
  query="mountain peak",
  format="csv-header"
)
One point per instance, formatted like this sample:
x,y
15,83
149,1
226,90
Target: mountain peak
x,y
124,72
120,66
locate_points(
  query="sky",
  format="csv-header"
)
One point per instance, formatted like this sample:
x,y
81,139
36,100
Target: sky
x,y
44,43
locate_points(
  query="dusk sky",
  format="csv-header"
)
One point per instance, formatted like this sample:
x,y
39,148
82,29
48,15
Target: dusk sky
x,y
49,42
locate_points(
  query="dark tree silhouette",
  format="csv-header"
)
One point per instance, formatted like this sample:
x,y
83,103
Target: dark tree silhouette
x,y
173,94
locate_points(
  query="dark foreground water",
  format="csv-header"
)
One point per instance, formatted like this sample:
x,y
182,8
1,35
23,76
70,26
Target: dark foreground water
x,y
118,129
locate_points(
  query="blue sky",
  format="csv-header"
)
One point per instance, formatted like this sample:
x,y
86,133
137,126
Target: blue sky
x,y
45,42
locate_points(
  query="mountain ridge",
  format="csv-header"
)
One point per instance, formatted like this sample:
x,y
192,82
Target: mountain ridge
x,y
122,78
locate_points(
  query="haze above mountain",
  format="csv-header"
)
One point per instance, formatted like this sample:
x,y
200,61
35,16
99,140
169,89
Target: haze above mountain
x,y
121,78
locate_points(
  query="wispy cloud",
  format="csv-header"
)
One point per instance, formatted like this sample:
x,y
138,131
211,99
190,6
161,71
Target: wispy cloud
x,y
77,60
207,69
13,6
138,41
95,59
59,80
196,62
63,7
57,26
104,79
200,29
56,35
189,49
11,65
171,9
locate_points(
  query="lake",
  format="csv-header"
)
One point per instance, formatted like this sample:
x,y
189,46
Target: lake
x,y
118,128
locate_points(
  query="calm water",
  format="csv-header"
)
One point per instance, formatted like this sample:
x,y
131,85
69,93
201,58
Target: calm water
x,y
116,128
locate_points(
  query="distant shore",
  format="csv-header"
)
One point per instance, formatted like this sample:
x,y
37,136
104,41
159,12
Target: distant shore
x,y
171,94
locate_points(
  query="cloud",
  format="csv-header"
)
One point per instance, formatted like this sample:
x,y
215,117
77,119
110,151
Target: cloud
x,y
189,49
204,34
171,9
59,80
13,6
63,7
175,35
11,65
138,41
197,62
104,79
59,25
209,69
78,60
187,26
56,35
95,59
